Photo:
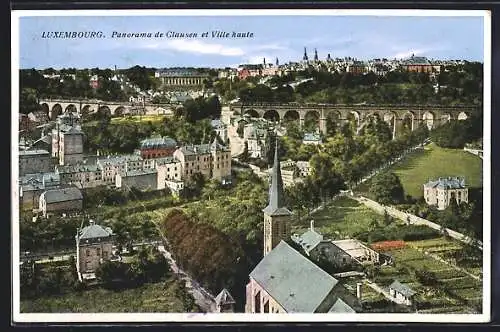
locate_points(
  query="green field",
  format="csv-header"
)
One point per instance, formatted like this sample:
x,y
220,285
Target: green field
x,y
155,297
432,163
137,119
343,217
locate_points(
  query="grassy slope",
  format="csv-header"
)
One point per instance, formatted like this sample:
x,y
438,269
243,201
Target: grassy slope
x,y
345,216
436,162
157,297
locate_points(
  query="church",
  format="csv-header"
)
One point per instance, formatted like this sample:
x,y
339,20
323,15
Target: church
x,y
285,281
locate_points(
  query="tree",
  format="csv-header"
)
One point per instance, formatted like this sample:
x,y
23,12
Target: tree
x,y
386,188
112,273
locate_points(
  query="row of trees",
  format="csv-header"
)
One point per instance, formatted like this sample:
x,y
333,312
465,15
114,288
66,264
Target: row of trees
x,y
455,134
210,256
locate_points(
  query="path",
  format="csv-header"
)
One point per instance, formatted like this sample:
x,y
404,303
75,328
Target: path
x,y
203,298
382,291
237,143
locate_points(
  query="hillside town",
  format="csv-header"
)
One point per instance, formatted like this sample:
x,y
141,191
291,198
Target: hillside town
x,y
266,188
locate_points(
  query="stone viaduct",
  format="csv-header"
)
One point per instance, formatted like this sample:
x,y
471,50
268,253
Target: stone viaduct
x,y
395,115
55,107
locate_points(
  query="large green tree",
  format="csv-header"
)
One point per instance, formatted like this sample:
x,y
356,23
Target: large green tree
x,y
386,188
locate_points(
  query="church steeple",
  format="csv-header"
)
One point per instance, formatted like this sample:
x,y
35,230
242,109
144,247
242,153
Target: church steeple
x,y
276,199
277,62
276,215
305,58
316,55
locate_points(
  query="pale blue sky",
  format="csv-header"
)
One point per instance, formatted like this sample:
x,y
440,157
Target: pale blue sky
x,y
285,37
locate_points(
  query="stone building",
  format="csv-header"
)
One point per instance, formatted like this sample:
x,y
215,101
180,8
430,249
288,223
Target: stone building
x,y
119,164
224,302
81,175
157,147
60,200
220,129
34,161
181,78
94,245
401,293
31,186
285,281
443,190
70,146
341,253
418,64
213,161
169,173
145,179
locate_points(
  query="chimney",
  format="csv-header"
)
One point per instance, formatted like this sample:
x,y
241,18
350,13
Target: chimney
x,y
312,225
359,292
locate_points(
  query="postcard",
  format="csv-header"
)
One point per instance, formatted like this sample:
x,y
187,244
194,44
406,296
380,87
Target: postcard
x,y
251,166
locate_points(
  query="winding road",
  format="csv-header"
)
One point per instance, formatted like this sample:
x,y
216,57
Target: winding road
x,y
202,297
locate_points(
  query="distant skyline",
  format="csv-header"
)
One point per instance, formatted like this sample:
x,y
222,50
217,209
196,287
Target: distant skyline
x,y
282,37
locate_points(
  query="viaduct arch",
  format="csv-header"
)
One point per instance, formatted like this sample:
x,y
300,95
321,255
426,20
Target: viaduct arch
x,y
55,107
399,117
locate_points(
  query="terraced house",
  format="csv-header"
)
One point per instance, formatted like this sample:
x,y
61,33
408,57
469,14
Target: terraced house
x,y
213,161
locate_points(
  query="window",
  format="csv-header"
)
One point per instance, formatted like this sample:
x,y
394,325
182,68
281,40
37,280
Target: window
x,y
98,251
105,254
87,252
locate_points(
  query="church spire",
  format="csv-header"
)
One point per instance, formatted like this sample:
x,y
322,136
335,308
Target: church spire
x,y
315,55
305,58
276,196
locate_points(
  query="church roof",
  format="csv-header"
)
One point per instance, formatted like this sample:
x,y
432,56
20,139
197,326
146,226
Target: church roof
x,y
276,197
341,307
287,276
224,297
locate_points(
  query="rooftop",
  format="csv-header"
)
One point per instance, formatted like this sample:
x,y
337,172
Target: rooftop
x,y
312,137
94,231
309,240
224,297
447,183
401,288
62,195
184,72
140,172
33,152
158,142
416,60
